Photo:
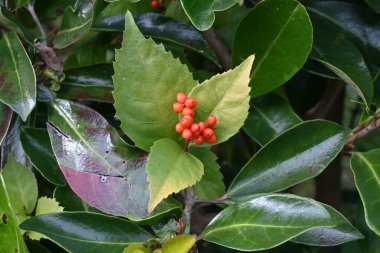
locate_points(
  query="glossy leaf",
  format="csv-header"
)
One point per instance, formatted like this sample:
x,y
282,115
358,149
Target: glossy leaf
x,y
136,248
279,33
366,169
211,185
76,23
270,115
201,12
161,28
229,102
5,120
70,201
81,232
374,4
179,244
8,21
17,78
334,51
36,144
301,153
167,165
266,222
89,83
143,66
10,236
330,236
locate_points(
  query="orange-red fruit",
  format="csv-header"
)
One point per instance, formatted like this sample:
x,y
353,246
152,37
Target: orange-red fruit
x,y
211,120
196,134
191,103
188,111
202,126
186,121
187,134
154,4
199,140
179,128
208,132
181,97
177,107
211,139
194,128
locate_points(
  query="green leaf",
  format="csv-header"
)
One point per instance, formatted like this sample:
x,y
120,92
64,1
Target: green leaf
x,y
374,4
279,32
301,153
201,12
17,78
211,185
10,236
266,222
343,232
5,120
147,80
21,186
81,232
333,50
366,169
70,201
76,23
37,146
179,244
136,248
376,84
11,23
170,169
226,96
270,115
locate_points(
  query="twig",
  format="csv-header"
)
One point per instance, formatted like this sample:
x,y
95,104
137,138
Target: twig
x,y
361,131
189,202
36,20
219,48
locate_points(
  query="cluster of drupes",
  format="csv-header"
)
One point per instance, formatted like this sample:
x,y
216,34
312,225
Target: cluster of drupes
x,y
199,132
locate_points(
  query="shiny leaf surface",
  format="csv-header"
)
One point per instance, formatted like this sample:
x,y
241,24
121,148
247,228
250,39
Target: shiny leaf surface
x,y
366,169
298,154
167,165
143,66
269,116
279,33
5,120
266,222
81,232
179,244
37,146
70,201
17,78
229,102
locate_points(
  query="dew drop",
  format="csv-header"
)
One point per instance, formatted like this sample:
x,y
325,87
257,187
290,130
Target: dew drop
x,y
103,179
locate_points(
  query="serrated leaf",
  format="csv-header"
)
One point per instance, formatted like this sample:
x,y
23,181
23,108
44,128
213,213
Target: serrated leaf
x,y
179,244
170,169
17,77
5,120
298,154
211,185
266,222
226,96
81,232
269,116
146,81
366,169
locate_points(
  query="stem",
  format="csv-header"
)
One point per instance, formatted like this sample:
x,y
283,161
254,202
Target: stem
x,y
219,48
36,20
189,202
361,131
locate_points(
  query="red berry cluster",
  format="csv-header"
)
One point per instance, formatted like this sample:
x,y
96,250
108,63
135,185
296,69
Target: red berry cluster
x,y
199,132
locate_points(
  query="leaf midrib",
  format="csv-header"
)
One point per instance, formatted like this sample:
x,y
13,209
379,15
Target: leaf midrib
x,y
368,163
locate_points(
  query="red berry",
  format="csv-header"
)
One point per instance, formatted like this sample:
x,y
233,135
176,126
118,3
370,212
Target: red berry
x,y
186,121
179,128
187,134
191,103
194,128
196,134
154,4
211,120
211,139
188,111
181,97
202,127
198,140
208,132
177,107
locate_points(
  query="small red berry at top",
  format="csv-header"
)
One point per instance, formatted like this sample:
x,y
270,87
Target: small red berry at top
x,y
211,120
191,103
177,107
154,4
181,97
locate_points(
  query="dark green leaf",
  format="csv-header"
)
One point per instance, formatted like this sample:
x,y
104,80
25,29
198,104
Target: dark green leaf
x,y
376,83
82,232
374,4
366,169
36,144
70,201
269,116
266,222
17,78
5,120
279,32
298,154
11,23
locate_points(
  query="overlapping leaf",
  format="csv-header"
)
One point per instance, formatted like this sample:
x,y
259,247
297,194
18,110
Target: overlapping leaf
x,y
5,120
